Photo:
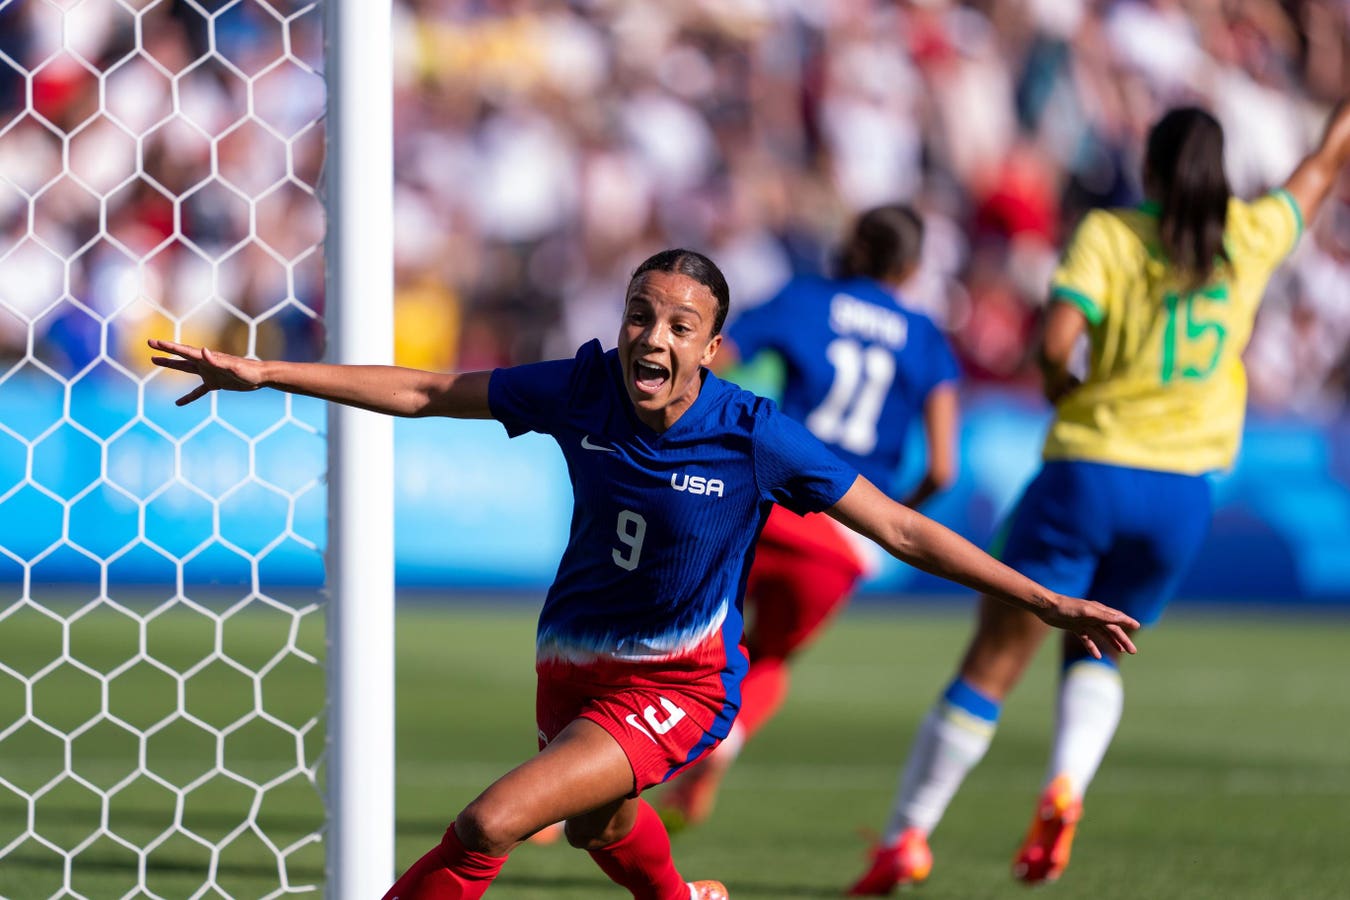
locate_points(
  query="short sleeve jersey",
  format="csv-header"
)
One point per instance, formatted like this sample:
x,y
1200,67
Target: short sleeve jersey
x,y
1166,389
859,366
663,524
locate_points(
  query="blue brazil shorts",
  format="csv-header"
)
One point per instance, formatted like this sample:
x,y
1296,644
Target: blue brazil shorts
x,y
1121,536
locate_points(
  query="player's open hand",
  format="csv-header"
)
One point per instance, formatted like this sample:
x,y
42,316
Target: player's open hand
x,y
1096,625
218,371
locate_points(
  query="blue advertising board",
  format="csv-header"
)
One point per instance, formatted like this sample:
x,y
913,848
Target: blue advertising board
x,y
89,489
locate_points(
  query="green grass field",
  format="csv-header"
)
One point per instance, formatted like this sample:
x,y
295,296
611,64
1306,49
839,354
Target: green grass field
x,y
1229,778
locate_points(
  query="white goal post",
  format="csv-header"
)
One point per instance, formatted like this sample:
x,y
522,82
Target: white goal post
x,y
182,711
360,846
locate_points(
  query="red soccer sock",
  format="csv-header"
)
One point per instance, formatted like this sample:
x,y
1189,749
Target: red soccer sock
x,y
762,692
641,862
448,871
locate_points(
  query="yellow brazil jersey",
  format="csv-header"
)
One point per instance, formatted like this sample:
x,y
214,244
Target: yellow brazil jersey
x,y
1165,389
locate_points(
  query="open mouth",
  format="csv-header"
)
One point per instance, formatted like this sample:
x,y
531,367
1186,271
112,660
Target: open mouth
x,y
649,377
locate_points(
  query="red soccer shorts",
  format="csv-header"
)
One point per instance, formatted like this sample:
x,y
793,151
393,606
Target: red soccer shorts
x,y
805,569
660,713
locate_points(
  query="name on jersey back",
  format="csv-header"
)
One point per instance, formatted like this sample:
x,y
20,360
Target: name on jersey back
x,y
851,316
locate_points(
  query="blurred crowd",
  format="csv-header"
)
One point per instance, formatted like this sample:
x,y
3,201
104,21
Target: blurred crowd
x,y
543,148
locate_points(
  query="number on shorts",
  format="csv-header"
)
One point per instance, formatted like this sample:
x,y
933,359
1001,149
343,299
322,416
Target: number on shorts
x,y
673,716
862,377
632,528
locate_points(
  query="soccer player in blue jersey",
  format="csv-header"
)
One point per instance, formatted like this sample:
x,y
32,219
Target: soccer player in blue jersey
x,y
639,654
1166,294
859,369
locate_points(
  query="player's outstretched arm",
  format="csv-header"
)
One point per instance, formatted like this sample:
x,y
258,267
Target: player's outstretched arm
x,y
924,544
392,390
1313,179
941,415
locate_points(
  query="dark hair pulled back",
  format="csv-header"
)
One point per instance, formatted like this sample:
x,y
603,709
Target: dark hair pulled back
x,y
696,266
1184,166
885,240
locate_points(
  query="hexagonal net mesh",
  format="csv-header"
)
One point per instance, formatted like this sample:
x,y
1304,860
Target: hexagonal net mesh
x,y
161,681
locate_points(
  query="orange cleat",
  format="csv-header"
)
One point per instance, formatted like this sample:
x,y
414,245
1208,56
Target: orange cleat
x,y
907,862
1045,852
689,799
707,890
549,834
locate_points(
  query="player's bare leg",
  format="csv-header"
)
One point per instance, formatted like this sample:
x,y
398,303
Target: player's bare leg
x,y
583,777
629,843
623,834
1005,642
951,741
1091,698
581,771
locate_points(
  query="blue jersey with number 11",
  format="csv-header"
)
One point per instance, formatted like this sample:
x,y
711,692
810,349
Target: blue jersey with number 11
x,y
663,524
859,365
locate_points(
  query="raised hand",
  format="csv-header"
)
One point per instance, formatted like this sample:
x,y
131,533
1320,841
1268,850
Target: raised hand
x,y
218,371
1096,625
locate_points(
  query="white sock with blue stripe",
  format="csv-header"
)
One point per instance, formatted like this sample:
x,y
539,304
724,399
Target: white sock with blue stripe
x,y
951,740
1091,699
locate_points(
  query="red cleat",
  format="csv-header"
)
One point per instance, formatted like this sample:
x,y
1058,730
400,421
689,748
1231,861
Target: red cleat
x,y
549,834
707,890
689,799
908,862
1045,852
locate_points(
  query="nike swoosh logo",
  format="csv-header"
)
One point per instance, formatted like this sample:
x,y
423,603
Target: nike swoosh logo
x,y
632,719
587,445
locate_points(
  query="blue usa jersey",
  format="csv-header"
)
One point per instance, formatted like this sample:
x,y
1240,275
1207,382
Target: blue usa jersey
x,y
663,524
859,366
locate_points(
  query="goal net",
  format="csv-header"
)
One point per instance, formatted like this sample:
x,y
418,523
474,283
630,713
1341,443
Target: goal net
x,y
162,698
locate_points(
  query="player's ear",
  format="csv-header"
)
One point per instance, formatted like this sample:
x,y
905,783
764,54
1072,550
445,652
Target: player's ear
x,y
711,350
